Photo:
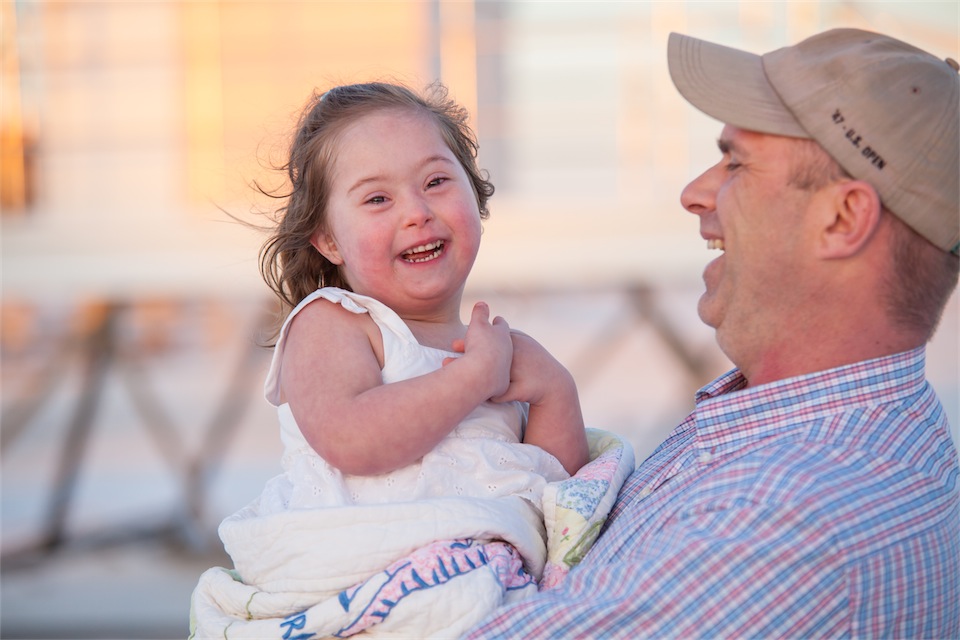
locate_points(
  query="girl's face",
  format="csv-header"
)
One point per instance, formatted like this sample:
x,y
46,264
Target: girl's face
x,y
403,222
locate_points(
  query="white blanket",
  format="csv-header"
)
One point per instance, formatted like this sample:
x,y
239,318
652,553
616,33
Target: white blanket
x,y
431,568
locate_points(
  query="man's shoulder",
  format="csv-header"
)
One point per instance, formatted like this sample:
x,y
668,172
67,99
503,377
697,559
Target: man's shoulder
x,y
838,488
870,449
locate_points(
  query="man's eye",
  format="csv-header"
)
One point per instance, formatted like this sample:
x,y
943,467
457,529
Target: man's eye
x,y
733,166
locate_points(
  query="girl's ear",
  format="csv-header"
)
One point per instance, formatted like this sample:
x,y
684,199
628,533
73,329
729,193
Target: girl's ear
x,y
325,244
855,217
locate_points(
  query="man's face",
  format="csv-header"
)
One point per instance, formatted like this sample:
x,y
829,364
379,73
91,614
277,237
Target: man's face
x,y
750,211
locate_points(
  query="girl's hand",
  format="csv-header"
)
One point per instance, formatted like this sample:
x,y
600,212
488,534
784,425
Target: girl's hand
x,y
489,347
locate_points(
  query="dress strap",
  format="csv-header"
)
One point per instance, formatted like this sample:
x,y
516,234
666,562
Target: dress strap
x,y
385,318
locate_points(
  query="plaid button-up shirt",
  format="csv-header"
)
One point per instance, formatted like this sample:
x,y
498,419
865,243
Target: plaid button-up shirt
x,y
822,505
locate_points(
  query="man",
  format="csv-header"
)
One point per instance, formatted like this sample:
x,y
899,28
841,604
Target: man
x,y
814,489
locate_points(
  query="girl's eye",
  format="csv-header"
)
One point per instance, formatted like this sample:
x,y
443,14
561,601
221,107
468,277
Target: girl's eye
x,y
376,200
436,182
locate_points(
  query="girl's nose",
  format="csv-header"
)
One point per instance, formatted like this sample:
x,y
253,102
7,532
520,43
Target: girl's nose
x,y
418,212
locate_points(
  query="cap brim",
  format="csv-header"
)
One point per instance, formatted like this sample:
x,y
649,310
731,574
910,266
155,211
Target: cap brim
x,y
729,85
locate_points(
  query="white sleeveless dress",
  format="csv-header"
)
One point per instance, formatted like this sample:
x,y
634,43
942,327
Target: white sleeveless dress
x,y
482,457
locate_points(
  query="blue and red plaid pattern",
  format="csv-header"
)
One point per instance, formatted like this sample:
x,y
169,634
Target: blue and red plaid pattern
x,y
823,505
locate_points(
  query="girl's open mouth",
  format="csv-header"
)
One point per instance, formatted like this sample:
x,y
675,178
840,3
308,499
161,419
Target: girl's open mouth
x,y
424,253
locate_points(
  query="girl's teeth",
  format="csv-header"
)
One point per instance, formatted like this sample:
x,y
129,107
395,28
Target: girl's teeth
x,y
425,258
424,247
434,248
715,243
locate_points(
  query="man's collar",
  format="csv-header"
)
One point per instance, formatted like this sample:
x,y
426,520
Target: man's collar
x,y
729,413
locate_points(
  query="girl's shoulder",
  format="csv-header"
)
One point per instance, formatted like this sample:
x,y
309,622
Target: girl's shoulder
x,y
335,311
328,316
350,301
327,309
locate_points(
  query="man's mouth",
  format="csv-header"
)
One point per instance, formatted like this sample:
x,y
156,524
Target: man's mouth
x,y
424,252
715,243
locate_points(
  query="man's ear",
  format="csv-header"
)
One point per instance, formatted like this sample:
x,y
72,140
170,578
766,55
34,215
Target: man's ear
x,y
327,246
854,217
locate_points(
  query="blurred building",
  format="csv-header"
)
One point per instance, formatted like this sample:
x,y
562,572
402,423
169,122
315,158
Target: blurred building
x,y
127,124
131,299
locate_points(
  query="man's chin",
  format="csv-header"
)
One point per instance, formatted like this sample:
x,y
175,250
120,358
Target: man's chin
x,y
706,309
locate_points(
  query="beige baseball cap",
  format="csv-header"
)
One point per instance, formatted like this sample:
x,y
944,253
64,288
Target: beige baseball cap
x,y
883,109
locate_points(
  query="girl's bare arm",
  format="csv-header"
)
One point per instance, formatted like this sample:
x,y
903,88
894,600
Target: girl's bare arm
x,y
331,378
555,423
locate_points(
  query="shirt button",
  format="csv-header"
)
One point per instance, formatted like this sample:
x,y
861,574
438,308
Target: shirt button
x,y
706,457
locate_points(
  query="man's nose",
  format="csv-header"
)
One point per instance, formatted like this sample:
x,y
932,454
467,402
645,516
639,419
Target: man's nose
x,y
699,196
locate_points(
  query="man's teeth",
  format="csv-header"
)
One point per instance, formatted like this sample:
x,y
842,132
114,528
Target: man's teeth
x,y
715,243
432,250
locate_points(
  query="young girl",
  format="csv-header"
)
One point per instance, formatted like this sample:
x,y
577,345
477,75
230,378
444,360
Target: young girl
x,y
375,406
416,448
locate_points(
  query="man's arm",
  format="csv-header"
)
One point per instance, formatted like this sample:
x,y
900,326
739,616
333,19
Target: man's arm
x,y
733,572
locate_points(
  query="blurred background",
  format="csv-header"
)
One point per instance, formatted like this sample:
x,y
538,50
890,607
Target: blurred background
x,y
132,411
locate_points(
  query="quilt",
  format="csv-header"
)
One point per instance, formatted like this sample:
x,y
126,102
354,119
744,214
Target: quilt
x,y
430,569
